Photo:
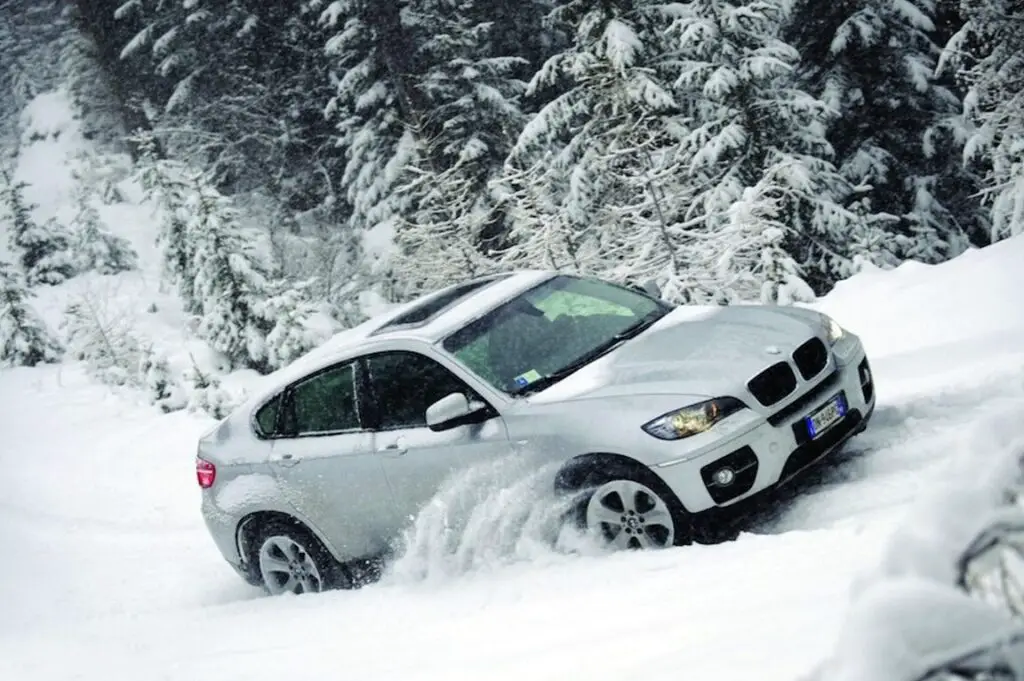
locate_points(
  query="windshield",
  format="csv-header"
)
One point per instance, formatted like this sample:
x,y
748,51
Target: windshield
x,y
551,330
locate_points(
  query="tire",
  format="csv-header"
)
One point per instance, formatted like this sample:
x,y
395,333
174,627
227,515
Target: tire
x,y
627,507
290,559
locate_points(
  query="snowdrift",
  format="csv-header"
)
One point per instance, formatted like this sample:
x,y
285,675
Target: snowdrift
x,y
908,617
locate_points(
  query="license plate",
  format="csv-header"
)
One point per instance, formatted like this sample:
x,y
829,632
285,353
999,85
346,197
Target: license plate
x,y
819,421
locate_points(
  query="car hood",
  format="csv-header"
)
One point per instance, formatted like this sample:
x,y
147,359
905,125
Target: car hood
x,y
694,350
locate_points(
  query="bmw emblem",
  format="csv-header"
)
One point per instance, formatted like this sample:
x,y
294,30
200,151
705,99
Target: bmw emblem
x,y
772,350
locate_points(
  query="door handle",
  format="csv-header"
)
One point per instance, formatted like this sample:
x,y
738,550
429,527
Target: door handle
x,y
288,460
396,448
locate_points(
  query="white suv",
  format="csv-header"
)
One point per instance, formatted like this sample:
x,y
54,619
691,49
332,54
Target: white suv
x,y
654,414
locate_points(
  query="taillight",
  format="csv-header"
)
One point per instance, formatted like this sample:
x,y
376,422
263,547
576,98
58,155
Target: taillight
x,y
206,473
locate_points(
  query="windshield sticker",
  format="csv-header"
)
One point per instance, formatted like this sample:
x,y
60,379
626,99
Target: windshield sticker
x,y
527,378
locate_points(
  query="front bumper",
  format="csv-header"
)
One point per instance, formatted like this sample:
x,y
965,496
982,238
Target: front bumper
x,y
778,448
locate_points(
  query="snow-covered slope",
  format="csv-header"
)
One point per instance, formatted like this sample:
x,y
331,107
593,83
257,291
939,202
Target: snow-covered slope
x,y
107,573
59,167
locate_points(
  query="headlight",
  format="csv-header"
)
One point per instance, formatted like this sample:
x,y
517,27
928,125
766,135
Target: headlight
x,y
693,419
833,330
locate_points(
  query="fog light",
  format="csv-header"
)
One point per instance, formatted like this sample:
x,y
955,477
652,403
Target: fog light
x,y
723,477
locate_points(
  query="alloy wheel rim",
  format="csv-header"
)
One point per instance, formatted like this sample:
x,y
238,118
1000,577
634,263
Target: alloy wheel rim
x,y
287,567
629,515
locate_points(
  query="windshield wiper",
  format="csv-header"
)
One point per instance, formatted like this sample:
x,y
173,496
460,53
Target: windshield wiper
x,y
646,322
604,348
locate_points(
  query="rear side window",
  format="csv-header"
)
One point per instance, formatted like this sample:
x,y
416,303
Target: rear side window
x,y
266,417
325,403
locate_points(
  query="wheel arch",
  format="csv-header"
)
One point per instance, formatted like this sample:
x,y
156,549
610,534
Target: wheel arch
x,y
583,471
250,524
573,475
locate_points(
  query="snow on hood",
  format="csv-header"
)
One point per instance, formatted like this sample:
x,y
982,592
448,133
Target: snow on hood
x,y
694,350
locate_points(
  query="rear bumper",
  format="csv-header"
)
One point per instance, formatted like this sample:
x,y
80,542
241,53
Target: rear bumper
x,y
222,528
778,449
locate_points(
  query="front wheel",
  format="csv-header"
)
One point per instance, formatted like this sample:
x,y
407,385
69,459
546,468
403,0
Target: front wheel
x,y
629,507
628,514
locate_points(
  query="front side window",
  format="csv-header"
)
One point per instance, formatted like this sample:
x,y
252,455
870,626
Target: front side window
x,y
325,403
404,384
549,331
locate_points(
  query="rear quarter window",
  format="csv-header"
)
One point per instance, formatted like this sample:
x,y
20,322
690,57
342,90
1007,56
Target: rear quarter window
x,y
266,417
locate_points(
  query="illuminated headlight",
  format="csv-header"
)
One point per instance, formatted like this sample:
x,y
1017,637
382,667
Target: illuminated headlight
x,y
834,332
694,419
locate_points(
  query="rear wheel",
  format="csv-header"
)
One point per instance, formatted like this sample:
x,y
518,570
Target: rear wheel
x,y
291,560
627,507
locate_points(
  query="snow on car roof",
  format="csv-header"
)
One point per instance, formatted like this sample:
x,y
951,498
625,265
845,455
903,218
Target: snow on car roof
x,y
479,303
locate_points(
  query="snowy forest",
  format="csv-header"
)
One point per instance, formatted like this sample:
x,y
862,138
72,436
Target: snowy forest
x,y
304,155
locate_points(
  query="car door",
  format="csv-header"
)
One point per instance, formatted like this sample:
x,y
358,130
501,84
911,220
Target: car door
x,y
417,460
326,466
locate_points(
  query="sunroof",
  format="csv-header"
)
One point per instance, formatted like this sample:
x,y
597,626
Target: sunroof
x,y
431,307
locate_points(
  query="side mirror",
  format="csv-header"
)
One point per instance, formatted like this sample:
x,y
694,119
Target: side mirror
x,y
652,289
649,288
453,411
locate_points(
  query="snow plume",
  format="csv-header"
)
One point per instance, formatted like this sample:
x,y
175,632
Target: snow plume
x,y
487,516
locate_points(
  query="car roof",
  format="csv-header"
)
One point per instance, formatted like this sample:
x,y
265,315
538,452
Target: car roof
x,y
495,290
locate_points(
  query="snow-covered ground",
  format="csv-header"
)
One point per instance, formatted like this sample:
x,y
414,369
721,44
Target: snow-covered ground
x,y
107,574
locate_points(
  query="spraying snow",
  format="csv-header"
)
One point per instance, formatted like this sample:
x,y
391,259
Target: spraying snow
x,y
485,517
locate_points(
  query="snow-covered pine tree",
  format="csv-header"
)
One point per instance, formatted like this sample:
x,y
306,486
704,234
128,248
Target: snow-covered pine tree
x,y
445,239
10,98
989,51
593,182
94,247
241,89
898,129
227,274
42,249
161,387
45,253
103,339
245,312
372,108
758,140
29,30
206,393
24,338
468,117
90,86
293,324
176,41
167,184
